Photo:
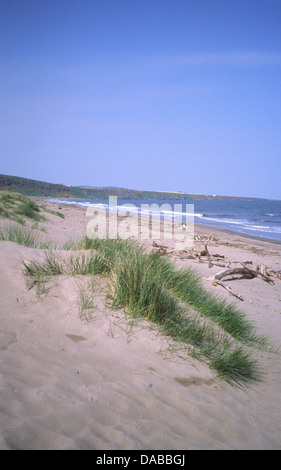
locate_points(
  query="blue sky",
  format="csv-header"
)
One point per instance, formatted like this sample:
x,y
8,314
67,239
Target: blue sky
x,y
178,95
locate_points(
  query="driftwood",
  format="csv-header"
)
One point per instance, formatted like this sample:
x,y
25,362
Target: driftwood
x,y
268,272
244,271
208,255
228,288
231,272
203,256
256,273
163,249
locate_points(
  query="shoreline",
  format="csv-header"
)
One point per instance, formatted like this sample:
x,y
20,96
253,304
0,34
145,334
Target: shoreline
x,y
198,227
68,383
205,226
242,235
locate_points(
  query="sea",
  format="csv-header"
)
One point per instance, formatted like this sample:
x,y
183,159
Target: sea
x,y
258,218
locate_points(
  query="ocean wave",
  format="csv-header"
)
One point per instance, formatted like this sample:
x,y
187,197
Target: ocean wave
x,y
77,203
273,215
82,204
261,228
243,224
153,211
227,221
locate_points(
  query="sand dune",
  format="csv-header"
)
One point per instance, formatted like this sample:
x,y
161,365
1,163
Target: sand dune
x,y
66,383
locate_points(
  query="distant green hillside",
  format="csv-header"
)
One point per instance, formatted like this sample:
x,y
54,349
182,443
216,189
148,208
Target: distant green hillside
x,y
34,188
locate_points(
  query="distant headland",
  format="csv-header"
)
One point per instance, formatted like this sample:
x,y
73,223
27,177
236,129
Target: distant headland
x,y
35,188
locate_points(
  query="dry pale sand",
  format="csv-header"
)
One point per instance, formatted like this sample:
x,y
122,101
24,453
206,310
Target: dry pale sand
x,y
72,384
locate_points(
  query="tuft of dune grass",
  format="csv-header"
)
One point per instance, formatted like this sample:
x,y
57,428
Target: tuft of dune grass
x,y
23,236
19,208
148,285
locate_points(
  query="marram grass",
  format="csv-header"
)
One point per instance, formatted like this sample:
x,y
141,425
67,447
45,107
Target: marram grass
x,y
236,366
20,208
87,302
147,285
187,285
23,236
17,207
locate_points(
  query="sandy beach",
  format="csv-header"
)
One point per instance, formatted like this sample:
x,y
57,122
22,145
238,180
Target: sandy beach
x,y
68,383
